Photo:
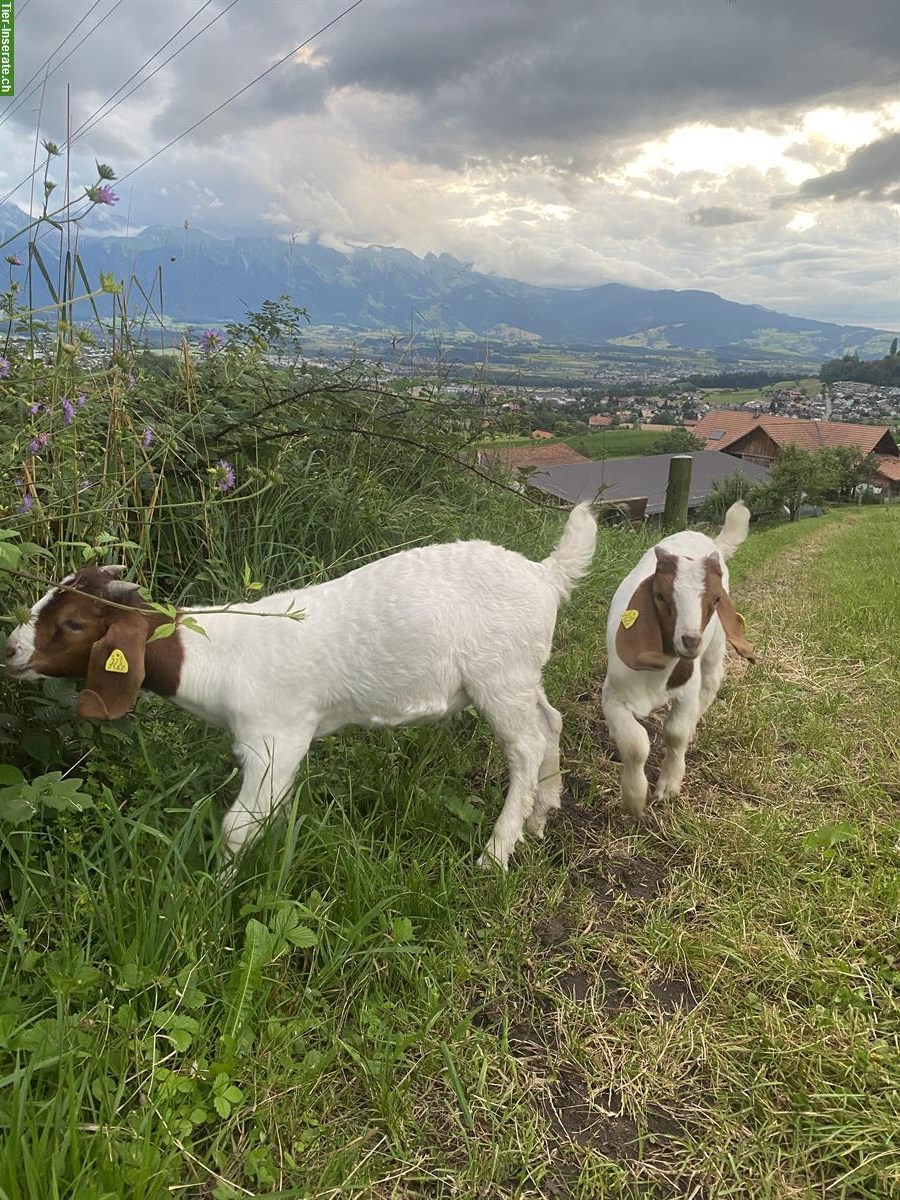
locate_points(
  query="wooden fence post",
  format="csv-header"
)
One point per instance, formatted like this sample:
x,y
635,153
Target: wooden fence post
x,y
678,492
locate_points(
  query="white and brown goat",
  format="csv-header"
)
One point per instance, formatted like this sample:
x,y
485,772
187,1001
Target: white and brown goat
x,y
413,637
665,637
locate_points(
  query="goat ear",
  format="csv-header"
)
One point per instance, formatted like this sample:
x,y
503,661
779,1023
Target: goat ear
x,y
666,563
639,638
116,669
733,624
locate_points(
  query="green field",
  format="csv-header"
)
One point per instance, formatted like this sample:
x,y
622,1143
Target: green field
x,y
707,1005
737,397
604,443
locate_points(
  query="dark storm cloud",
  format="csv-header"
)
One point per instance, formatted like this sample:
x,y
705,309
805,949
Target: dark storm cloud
x,y
493,79
870,173
713,215
498,78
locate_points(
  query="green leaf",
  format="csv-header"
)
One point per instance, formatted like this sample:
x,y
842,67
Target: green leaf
x,y
162,631
402,929
10,776
246,977
222,1107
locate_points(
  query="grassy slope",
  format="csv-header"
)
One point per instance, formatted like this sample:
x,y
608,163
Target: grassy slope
x,y
704,1006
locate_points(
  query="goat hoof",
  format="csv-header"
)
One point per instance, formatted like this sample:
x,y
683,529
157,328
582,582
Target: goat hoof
x,y
537,827
491,862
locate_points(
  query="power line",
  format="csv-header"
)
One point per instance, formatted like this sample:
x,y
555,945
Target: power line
x,y
87,125
15,108
245,88
90,122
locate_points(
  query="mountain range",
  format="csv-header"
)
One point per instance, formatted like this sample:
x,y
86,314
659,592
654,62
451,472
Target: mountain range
x,y
207,280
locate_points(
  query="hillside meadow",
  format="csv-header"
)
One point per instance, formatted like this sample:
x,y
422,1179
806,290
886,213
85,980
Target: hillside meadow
x,y
705,1005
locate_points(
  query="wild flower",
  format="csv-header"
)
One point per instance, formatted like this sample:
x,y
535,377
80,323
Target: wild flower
x,y
102,194
211,339
85,485
34,409
68,412
4,368
14,260
80,399
104,170
226,475
147,439
36,445
27,504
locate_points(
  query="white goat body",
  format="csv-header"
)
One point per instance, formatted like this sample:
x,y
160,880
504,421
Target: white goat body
x,y
412,637
666,632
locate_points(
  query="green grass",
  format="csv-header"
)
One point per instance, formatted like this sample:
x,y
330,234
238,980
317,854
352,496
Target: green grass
x,y
604,443
706,1005
614,443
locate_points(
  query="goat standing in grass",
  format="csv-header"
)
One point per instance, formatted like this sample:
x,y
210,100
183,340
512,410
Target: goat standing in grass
x,y
665,637
411,638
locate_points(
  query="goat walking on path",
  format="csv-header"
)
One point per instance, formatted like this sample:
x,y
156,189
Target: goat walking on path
x,y
410,638
665,636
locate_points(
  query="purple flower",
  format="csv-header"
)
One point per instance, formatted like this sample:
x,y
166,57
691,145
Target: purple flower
x,y
38,444
27,504
34,409
211,339
80,399
85,485
68,412
105,195
14,260
226,475
147,439
4,368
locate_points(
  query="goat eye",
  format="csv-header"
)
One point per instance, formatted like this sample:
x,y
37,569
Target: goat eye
x,y
75,626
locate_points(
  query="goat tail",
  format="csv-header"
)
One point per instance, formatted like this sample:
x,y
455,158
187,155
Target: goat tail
x,y
735,529
571,559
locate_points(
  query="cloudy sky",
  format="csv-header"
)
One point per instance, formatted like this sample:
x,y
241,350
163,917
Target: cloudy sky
x,y
751,147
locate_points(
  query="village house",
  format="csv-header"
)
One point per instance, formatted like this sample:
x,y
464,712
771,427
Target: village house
x,y
760,439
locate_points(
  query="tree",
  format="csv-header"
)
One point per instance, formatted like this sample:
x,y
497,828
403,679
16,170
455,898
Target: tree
x,y
893,350
798,477
679,441
849,468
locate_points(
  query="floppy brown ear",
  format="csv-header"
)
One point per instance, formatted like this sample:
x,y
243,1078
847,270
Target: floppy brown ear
x,y
116,669
734,627
639,638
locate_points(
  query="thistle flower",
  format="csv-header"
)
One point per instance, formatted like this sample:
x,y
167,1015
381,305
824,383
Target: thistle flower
x,y
34,409
102,194
226,475
4,368
211,339
104,170
80,399
27,504
37,444
147,439
68,412
14,260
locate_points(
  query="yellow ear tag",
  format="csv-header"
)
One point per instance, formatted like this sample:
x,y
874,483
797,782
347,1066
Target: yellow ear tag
x,y
117,663
629,616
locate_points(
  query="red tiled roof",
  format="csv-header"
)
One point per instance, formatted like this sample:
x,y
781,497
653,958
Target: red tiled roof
x,y
724,429
532,458
889,468
719,428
